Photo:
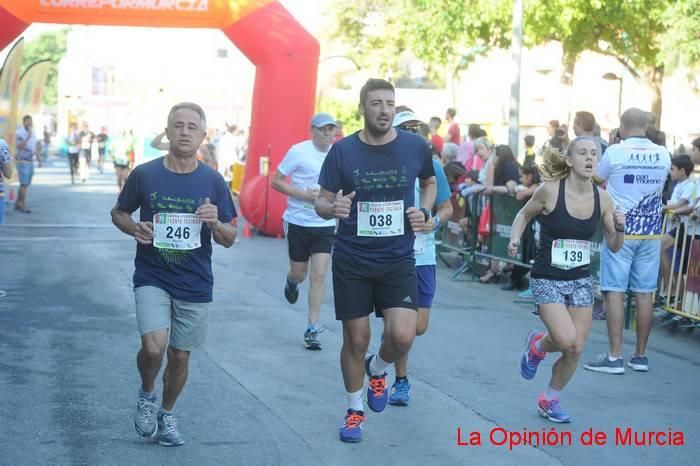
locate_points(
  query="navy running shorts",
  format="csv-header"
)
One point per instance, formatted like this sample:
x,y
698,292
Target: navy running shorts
x,y
360,290
425,275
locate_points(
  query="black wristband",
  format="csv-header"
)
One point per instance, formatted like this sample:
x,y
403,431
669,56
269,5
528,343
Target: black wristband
x,y
620,231
426,212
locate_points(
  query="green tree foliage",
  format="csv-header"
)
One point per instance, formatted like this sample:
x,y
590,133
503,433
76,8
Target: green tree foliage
x,y
640,34
344,111
376,32
51,46
681,41
631,31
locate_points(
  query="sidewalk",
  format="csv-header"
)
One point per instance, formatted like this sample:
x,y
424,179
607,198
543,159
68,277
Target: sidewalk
x,y
68,380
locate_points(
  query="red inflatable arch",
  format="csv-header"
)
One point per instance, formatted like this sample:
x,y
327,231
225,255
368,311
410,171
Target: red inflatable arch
x,y
285,56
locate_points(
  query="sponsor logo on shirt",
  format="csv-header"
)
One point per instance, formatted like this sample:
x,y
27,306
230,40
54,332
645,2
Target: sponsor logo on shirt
x,y
641,179
645,158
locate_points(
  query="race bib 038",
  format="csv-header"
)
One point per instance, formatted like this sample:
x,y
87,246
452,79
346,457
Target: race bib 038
x,y
380,218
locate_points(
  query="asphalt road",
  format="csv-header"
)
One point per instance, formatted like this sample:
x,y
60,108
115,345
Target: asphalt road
x,y
68,381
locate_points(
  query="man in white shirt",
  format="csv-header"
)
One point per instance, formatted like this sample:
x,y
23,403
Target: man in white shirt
x,y
310,237
226,151
635,170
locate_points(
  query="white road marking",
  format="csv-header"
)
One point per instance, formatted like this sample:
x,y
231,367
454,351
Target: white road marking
x,y
23,239
58,225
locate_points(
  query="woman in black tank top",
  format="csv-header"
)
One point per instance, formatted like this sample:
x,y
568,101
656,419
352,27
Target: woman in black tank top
x,y
569,208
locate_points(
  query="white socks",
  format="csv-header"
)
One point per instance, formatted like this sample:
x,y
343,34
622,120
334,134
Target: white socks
x,y
377,366
551,394
355,400
538,346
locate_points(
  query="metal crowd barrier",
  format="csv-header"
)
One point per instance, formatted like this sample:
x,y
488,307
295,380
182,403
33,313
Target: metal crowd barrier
x,y
452,240
504,208
682,286
683,281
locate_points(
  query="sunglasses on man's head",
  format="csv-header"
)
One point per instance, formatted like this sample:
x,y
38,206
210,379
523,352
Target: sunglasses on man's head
x,y
411,128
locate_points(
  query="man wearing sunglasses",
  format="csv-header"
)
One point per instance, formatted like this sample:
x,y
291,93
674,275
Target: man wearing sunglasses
x,y
424,251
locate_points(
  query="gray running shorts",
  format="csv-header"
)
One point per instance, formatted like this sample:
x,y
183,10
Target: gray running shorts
x,y
188,322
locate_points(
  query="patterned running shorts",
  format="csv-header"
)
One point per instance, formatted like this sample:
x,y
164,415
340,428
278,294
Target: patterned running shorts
x,y
570,293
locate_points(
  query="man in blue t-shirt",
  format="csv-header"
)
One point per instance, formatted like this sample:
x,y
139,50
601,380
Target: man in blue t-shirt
x,y
183,204
367,181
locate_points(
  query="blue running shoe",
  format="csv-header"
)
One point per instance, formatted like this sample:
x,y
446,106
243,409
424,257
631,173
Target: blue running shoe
x,y
531,358
400,392
377,395
639,363
167,434
550,409
351,430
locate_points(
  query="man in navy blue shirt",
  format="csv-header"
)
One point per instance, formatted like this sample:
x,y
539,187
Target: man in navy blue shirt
x,y
367,181
183,204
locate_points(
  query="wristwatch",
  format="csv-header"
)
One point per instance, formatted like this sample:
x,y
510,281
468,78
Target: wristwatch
x,y
437,223
426,212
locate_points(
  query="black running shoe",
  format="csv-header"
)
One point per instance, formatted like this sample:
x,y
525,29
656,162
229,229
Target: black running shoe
x,y
292,294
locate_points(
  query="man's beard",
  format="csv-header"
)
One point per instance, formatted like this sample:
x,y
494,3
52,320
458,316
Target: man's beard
x,y
374,130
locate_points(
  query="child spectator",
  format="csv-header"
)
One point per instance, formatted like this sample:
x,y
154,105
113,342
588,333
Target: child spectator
x,y
529,181
455,174
529,149
466,189
681,203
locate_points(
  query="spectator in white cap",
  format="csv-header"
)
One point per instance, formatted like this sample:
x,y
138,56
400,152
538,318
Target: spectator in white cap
x,y
424,249
310,238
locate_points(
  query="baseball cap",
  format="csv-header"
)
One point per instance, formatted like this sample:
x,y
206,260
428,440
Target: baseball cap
x,y
322,119
405,117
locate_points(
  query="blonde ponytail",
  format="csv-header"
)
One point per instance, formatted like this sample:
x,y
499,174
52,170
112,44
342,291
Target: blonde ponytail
x,y
554,166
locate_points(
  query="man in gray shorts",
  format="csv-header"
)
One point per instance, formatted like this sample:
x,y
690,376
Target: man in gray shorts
x,y
183,204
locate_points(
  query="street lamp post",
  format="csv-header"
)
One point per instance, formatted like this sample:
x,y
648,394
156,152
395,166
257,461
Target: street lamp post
x,y
341,56
516,51
614,77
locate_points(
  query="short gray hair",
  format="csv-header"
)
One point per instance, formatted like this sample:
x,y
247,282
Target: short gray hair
x,y
450,151
635,118
190,106
482,142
